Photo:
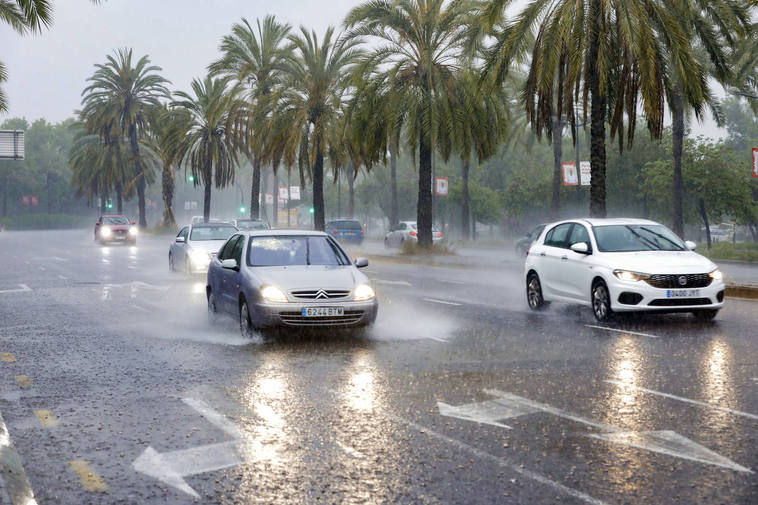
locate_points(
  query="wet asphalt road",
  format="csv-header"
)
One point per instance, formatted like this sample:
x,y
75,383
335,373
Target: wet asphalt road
x,y
113,389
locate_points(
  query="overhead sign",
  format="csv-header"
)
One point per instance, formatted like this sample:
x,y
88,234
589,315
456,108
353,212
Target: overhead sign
x,y
11,145
570,177
755,162
585,172
283,194
441,186
294,192
269,198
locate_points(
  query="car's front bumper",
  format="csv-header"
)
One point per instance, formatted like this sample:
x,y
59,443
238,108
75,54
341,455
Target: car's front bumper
x,y
356,314
653,299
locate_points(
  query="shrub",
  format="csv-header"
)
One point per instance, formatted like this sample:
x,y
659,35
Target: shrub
x,y
45,222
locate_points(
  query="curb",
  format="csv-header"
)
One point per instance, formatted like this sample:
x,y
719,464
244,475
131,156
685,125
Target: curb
x,y
742,292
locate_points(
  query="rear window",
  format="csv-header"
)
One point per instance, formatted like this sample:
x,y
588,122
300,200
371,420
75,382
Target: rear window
x,y
349,225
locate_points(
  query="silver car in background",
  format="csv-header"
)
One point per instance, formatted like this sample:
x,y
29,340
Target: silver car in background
x,y
289,278
195,245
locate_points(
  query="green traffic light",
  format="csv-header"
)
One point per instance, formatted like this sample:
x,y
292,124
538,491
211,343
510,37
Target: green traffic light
x,y
242,210
310,211
191,178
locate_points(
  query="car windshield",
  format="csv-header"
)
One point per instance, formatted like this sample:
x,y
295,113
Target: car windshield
x,y
295,250
251,225
115,220
200,233
634,237
349,225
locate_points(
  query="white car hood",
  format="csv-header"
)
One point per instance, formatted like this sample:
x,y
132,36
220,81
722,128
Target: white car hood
x,y
209,246
659,262
309,277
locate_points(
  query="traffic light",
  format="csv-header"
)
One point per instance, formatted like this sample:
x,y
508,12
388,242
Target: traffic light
x,y
242,210
310,211
109,204
191,178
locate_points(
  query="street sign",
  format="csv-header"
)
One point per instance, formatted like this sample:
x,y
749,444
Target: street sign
x,y
440,186
585,172
193,205
34,200
269,199
570,177
187,205
283,195
295,192
11,145
25,200
755,162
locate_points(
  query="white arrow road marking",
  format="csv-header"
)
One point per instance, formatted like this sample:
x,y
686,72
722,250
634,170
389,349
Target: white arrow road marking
x,y
627,332
22,289
685,400
664,442
12,475
214,417
488,412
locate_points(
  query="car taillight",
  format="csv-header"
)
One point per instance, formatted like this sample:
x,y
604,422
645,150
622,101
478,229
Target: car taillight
x,y
336,231
439,235
413,234
361,232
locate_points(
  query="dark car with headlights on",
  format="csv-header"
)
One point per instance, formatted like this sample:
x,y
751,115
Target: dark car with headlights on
x,y
115,228
289,278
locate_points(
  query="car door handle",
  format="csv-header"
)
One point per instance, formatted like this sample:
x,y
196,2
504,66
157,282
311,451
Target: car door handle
x,y
543,253
564,258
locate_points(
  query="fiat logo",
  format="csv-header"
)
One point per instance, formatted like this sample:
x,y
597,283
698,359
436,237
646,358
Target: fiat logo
x,y
683,280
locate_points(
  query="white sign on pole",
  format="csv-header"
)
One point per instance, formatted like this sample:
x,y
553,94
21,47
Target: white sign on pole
x,y
295,192
186,205
585,170
269,199
441,186
569,174
283,195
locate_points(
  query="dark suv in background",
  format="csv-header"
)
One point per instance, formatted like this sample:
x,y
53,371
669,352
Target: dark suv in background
x,y
346,230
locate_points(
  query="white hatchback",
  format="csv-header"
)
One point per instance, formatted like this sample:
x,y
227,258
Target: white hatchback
x,y
621,265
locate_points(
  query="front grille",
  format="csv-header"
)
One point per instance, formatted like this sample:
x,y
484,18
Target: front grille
x,y
679,302
671,281
297,319
120,233
321,294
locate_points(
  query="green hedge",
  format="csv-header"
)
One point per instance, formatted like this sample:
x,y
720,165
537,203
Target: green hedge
x,y
742,251
45,222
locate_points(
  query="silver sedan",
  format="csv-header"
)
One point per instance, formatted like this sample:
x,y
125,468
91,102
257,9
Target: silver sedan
x,y
194,246
289,278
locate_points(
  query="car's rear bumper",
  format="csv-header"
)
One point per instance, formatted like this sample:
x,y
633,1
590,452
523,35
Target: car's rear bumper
x,y
356,314
652,299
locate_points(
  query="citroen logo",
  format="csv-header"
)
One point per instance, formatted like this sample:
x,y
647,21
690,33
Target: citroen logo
x,y
683,280
321,294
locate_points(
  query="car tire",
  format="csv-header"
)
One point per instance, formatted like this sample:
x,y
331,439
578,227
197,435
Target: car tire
x,y
246,324
534,297
601,301
171,265
212,310
705,314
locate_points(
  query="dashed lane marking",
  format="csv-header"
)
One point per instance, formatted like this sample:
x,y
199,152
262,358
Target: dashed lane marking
x,y
685,400
12,475
7,357
46,418
627,332
449,281
393,283
437,339
441,302
90,480
24,381
143,309
23,288
63,277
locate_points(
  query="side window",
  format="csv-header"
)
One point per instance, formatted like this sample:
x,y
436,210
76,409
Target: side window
x,y
226,250
237,250
401,226
579,234
184,232
558,236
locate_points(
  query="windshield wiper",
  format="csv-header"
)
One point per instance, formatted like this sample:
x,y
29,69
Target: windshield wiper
x,y
652,244
664,237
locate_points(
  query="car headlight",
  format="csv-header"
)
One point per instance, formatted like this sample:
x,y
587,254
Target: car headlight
x,y
629,276
716,275
105,231
273,294
133,231
363,292
200,257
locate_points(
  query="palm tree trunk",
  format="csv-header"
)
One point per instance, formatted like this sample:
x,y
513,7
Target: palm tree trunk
x,y
119,198
465,211
208,186
555,205
424,208
169,221
394,152
597,114
139,172
351,190
704,215
678,140
255,189
275,191
318,188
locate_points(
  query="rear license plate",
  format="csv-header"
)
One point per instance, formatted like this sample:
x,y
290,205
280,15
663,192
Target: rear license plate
x,y
682,293
323,311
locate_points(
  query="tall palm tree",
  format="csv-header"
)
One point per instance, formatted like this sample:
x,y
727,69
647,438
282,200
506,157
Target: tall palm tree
x,y
212,143
317,75
419,44
254,58
610,53
127,92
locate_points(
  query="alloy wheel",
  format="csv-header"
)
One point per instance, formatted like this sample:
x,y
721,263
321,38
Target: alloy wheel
x,y
601,302
534,293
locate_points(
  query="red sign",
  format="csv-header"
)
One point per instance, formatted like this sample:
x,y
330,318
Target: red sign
x,y
570,176
25,200
35,200
755,162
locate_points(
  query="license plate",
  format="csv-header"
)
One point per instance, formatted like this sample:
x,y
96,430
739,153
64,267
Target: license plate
x,y
682,293
323,311
120,237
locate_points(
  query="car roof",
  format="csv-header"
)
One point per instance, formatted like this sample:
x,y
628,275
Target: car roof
x,y
113,215
617,221
284,233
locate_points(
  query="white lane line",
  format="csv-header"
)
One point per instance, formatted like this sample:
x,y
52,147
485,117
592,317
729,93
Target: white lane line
x,y
143,309
648,335
63,277
393,283
685,400
443,302
437,339
12,475
448,281
23,288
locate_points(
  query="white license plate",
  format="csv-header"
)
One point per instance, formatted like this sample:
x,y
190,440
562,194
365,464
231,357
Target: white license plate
x,y
120,237
682,293
323,311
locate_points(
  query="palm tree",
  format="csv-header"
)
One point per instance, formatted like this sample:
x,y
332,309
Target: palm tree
x,y
317,75
419,43
254,58
611,53
127,93
211,145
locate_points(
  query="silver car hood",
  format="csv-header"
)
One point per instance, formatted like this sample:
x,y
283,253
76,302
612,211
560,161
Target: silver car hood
x,y
309,277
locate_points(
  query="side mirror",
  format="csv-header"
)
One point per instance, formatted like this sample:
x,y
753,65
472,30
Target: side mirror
x,y
580,247
134,222
690,245
181,240
361,262
230,264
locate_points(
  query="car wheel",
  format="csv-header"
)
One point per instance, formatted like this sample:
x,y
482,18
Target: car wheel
x,y
534,292
601,302
705,315
187,267
246,325
171,265
212,309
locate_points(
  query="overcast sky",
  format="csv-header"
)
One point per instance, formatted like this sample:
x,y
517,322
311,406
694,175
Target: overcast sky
x,y
47,72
